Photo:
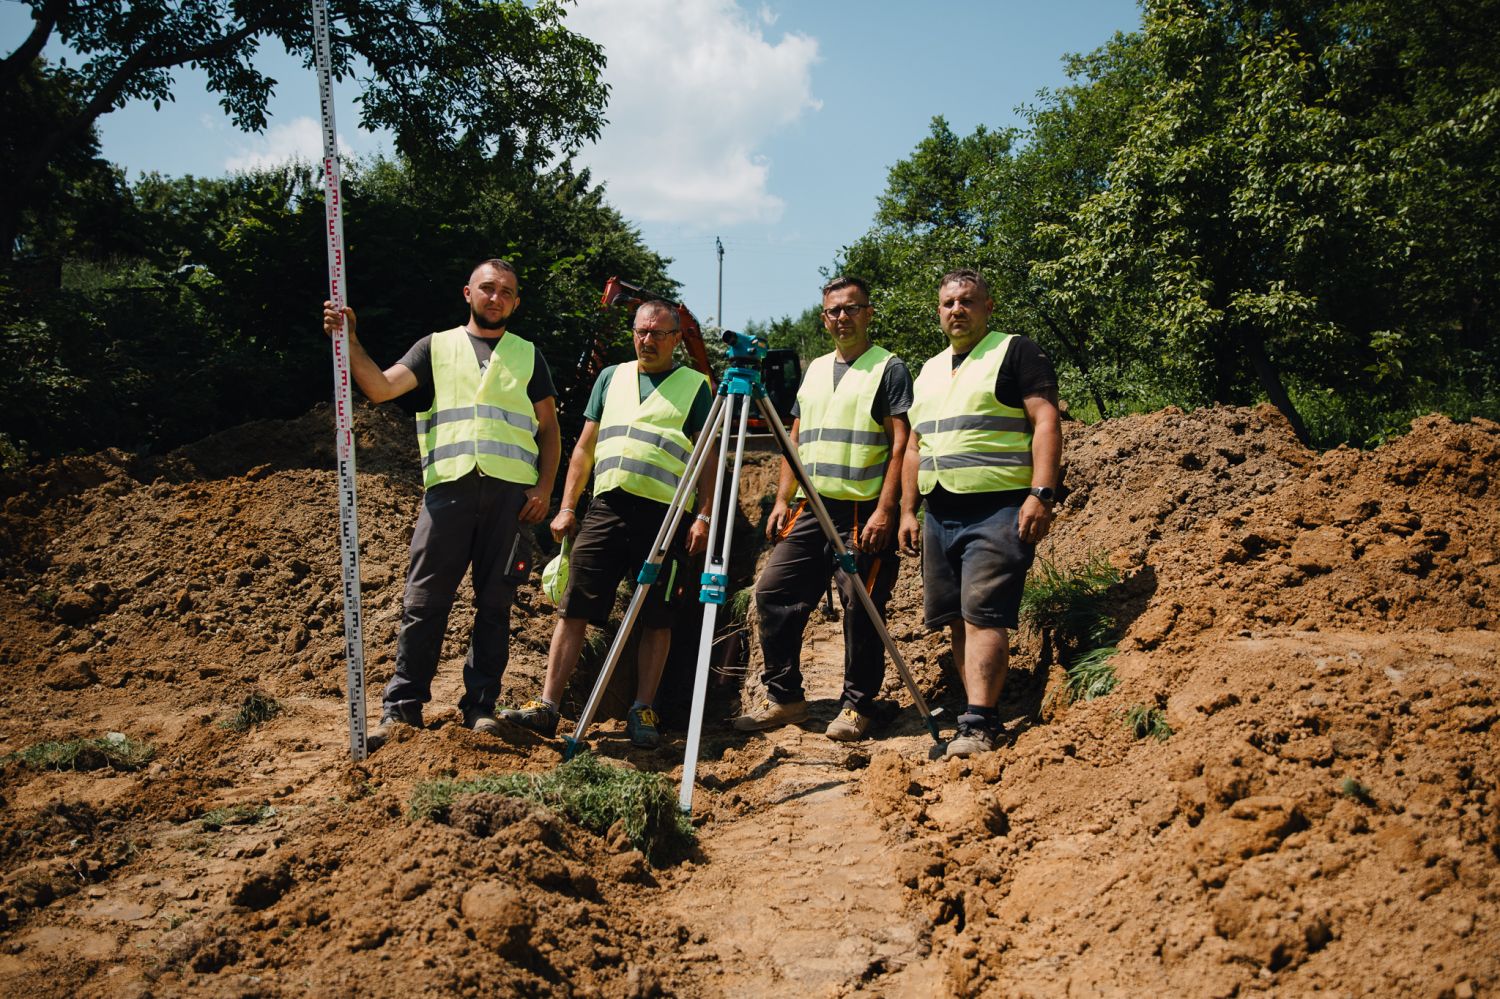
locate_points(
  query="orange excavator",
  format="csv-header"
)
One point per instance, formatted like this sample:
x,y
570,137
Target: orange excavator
x,y
781,371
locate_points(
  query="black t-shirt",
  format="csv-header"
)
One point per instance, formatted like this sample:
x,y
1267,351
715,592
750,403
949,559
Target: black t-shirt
x,y
893,398
419,360
1026,371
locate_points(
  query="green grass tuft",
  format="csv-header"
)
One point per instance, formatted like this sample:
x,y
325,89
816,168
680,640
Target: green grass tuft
x,y
235,815
738,607
114,751
1068,605
1148,722
586,790
1092,675
255,709
1351,788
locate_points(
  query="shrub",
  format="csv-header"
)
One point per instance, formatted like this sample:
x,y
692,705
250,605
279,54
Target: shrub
x,y
255,709
1067,606
115,751
1092,675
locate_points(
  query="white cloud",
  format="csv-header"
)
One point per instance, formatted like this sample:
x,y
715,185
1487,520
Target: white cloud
x,y
696,88
299,139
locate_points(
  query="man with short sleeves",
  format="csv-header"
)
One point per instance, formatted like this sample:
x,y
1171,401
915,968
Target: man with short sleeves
x,y
850,430
986,461
489,446
639,429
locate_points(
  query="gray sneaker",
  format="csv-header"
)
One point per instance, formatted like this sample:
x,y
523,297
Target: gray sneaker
x,y
849,726
973,737
481,720
534,715
641,724
772,715
381,733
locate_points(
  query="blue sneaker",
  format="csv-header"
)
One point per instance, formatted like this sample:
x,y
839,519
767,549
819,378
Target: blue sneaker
x,y
641,724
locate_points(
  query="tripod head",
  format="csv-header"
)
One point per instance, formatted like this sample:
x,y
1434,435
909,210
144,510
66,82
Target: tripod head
x,y
744,348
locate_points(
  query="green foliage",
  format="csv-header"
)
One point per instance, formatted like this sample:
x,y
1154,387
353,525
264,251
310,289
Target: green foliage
x,y
235,815
114,751
1069,607
1091,675
586,790
254,709
1148,722
804,333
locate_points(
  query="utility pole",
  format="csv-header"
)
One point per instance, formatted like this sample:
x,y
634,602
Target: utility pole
x,y
719,315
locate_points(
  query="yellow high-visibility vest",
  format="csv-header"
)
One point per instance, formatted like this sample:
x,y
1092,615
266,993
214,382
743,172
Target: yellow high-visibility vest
x,y
485,421
642,447
843,449
969,442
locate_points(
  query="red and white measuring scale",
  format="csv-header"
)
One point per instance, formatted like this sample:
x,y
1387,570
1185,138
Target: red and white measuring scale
x,y
354,642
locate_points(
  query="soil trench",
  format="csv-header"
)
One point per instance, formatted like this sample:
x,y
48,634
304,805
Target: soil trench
x,y
800,896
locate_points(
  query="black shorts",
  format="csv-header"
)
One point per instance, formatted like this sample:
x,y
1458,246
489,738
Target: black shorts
x,y
974,567
613,543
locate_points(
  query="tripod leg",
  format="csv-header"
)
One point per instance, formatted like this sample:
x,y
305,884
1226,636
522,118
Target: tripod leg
x,y
715,580
846,561
717,414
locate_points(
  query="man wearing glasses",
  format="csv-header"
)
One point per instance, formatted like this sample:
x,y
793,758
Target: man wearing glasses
x,y
850,429
986,463
639,427
490,448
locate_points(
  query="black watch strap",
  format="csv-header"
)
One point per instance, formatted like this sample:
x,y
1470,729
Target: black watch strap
x,y
1044,493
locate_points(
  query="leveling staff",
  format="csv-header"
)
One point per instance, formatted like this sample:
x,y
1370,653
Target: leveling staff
x,y
850,431
490,448
639,426
989,444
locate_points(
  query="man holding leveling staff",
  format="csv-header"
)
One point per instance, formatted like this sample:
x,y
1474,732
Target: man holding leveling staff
x,y
490,449
639,427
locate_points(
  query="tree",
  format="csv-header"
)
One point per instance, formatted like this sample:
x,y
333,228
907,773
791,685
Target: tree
x,y
493,79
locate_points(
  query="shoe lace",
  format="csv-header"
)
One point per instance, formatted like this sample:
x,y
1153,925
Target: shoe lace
x,y
647,718
535,705
850,715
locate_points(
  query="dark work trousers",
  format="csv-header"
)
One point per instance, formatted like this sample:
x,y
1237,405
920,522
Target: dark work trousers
x,y
795,579
463,524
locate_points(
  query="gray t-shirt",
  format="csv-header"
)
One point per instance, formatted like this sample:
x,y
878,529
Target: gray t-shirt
x,y
893,398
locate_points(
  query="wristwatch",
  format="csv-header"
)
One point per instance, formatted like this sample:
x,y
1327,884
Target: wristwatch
x,y
1044,493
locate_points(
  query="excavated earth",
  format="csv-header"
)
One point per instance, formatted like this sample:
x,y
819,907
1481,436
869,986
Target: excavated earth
x,y
1318,630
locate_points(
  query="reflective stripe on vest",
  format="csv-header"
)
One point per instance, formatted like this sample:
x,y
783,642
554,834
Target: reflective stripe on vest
x,y
968,441
844,451
642,447
485,421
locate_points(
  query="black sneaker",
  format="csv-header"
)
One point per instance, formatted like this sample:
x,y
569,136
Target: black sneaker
x,y
534,715
973,737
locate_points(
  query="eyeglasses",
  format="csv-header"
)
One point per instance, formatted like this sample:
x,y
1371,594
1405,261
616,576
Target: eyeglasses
x,y
839,311
653,334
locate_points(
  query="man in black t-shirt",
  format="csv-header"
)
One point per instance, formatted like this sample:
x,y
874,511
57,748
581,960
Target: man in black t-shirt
x,y
490,448
988,446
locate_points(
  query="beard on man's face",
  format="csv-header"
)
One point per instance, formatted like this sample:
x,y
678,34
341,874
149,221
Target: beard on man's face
x,y
487,324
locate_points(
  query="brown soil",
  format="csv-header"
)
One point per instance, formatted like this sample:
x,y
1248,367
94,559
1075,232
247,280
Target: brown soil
x,y
1319,630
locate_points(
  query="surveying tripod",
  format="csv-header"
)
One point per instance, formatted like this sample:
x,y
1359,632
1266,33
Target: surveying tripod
x,y
740,388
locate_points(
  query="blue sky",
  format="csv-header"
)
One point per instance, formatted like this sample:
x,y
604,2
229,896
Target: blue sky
x,y
770,125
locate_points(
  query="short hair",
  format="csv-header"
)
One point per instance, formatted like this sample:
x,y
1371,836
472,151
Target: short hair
x,y
658,306
847,281
966,275
499,265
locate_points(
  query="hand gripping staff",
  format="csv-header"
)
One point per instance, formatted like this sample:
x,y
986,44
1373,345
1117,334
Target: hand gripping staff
x,y
354,642
740,388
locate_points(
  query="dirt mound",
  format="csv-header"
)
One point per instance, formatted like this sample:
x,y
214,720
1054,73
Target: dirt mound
x,y
1319,631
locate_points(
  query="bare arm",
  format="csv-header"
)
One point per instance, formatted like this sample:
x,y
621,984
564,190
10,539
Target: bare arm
x,y
549,443
911,530
786,485
697,539
580,466
377,385
1035,519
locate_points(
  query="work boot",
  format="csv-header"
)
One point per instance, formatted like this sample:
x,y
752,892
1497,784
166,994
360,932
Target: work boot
x,y
849,726
772,715
481,720
641,723
973,737
381,733
534,715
